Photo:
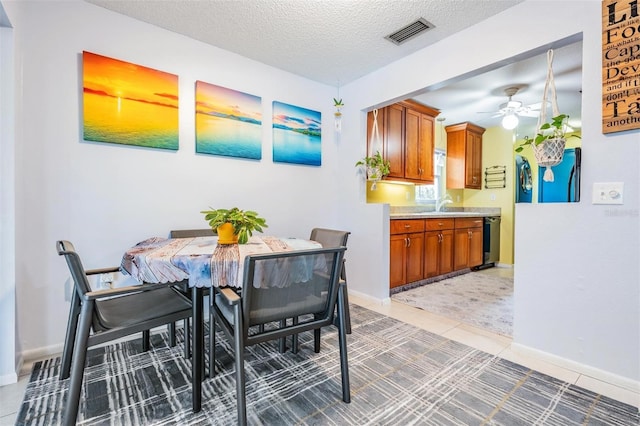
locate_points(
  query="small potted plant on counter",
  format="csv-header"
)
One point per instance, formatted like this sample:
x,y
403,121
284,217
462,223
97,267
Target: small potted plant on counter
x,y
376,167
234,225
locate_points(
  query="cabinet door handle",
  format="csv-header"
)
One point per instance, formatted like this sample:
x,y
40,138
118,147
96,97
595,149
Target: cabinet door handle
x,y
440,238
470,234
406,242
409,242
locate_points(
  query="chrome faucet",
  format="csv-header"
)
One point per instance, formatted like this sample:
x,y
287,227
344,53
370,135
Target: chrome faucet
x,y
446,199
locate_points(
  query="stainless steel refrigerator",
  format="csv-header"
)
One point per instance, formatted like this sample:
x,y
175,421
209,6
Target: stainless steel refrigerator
x,y
565,187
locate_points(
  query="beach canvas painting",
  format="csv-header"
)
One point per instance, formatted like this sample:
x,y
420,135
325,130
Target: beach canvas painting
x,y
228,122
296,135
129,104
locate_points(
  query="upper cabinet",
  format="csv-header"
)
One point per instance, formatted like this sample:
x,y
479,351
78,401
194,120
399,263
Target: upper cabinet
x,y
464,156
406,131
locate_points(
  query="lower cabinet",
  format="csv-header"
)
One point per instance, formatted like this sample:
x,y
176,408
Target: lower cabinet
x,y
406,251
438,247
468,243
426,248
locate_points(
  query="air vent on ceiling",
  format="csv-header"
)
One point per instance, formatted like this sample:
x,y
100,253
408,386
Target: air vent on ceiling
x,y
410,31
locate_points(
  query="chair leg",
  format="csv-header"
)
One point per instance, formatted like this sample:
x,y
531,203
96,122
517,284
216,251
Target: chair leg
x,y
77,369
342,340
347,311
283,340
316,340
172,334
212,336
294,337
70,337
187,338
239,352
145,340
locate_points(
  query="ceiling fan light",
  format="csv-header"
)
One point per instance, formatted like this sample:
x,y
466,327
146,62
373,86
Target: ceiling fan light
x,y
510,121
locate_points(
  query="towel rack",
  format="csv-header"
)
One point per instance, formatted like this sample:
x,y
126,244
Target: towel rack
x,y
495,177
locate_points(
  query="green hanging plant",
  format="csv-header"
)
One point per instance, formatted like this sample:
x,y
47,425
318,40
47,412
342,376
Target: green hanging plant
x,y
376,166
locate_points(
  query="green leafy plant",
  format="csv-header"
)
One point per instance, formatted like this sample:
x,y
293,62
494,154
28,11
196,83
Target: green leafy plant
x,y
337,102
244,222
554,130
377,167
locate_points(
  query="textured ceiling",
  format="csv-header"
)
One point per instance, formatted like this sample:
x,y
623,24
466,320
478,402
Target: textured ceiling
x,y
337,41
329,41
477,98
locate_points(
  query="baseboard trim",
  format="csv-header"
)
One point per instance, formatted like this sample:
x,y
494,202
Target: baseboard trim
x,y
32,355
42,352
587,370
369,298
8,379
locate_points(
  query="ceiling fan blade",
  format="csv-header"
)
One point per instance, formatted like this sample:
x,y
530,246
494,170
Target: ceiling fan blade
x,y
528,113
537,105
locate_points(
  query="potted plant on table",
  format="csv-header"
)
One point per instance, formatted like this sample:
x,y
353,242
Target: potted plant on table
x,y
234,225
376,167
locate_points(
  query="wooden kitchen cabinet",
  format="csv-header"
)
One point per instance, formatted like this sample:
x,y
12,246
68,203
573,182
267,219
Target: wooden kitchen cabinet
x,y
438,247
464,156
468,250
407,132
406,251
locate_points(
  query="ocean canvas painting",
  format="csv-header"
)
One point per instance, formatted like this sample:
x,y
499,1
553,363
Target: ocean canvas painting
x,y
296,135
228,122
125,103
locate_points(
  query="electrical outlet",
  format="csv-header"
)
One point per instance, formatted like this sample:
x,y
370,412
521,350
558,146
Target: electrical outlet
x,y
607,193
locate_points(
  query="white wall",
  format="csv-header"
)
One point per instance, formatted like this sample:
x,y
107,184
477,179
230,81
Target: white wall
x,y
577,295
106,197
101,196
8,361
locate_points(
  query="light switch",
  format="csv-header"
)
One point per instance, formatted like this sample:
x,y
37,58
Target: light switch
x,y
607,193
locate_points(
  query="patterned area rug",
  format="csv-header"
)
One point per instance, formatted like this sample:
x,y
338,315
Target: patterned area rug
x,y
400,375
476,298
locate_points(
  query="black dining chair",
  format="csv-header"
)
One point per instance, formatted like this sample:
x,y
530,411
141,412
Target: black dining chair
x,y
111,314
183,286
335,238
301,284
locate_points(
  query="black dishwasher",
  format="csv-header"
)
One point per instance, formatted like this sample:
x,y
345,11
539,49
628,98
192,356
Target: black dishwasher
x,y
490,242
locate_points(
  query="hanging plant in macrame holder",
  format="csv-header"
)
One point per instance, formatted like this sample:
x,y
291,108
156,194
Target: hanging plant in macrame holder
x,y
549,152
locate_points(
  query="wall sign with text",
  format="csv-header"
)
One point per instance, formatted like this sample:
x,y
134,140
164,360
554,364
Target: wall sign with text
x,y
620,65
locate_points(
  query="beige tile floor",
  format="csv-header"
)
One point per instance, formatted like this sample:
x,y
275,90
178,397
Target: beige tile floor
x,y
11,395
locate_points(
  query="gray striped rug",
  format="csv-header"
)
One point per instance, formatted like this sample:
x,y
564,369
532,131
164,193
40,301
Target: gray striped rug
x,y
400,375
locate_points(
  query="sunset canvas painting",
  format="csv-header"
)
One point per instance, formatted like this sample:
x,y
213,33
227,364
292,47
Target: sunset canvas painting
x,y
228,122
129,104
296,135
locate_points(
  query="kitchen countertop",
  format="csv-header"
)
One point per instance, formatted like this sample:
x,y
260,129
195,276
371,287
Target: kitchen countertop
x,y
417,213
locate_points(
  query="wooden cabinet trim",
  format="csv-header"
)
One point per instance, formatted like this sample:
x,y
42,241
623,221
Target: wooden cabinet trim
x,y
406,226
468,222
437,224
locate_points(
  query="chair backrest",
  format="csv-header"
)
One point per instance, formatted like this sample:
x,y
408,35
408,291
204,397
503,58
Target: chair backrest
x,y
79,276
186,233
283,285
329,237
80,280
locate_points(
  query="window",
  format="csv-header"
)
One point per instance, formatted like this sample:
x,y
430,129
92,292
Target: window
x,y
428,194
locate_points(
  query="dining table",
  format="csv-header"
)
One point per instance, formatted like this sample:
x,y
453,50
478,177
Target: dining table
x,y
203,263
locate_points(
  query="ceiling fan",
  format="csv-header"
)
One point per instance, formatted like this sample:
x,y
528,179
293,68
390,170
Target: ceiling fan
x,y
511,110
